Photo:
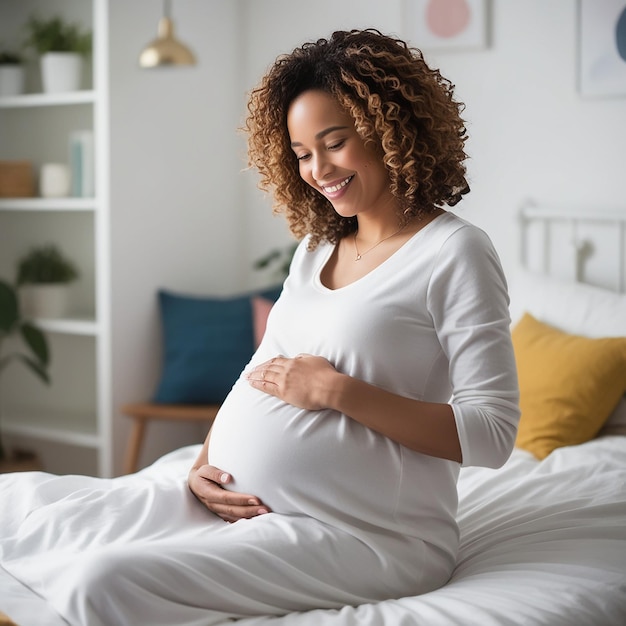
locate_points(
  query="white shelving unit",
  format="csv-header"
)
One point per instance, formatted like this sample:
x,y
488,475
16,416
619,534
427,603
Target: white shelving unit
x,y
46,99
69,422
47,204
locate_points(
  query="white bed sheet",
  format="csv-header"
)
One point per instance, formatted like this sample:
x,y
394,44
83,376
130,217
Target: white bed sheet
x,y
543,543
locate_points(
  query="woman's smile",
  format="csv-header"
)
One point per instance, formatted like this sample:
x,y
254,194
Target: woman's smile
x,y
333,189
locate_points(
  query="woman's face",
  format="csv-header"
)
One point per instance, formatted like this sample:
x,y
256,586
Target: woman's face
x,y
333,158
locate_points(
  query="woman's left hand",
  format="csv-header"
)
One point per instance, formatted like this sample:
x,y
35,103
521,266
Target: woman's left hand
x,y
304,381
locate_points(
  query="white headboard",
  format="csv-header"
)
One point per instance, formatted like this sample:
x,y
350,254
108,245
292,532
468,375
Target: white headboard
x,y
583,245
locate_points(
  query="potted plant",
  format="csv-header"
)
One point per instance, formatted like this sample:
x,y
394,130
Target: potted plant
x,y
62,47
279,259
36,358
11,73
43,276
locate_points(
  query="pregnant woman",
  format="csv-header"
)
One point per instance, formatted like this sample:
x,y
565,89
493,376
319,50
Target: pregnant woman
x,y
329,475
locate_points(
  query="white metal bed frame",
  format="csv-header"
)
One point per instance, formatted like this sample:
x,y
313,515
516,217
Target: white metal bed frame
x,y
582,248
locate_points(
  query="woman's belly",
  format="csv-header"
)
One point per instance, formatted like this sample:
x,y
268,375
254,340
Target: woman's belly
x,y
317,463
325,465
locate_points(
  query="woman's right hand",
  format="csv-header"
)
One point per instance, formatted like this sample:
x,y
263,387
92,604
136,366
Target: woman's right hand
x,y
205,482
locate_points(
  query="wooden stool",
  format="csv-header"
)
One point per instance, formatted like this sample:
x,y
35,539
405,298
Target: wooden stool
x,y
143,412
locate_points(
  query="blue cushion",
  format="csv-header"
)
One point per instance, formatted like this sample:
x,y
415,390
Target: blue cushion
x,y
206,344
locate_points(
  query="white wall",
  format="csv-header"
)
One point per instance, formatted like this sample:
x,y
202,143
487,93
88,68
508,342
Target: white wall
x,y
185,215
176,206
533,134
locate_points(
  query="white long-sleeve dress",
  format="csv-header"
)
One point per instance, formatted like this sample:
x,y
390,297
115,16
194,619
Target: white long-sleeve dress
x,y
355,517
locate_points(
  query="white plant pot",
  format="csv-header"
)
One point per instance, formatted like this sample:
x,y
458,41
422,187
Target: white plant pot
x,y
11,80
61,71
45,300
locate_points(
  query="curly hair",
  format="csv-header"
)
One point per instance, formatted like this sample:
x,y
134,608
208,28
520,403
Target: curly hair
x,y
399,105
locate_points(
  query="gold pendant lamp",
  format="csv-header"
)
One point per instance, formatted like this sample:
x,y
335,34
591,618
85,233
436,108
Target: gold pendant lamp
x,y
166,50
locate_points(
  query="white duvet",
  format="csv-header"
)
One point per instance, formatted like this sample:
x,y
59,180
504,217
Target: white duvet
x,y
541,543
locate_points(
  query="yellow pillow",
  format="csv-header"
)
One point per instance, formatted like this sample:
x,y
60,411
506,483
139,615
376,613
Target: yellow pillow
x,y
568,384
5,620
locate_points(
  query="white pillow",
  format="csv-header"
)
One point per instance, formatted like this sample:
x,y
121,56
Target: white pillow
x,y
616,422
573,307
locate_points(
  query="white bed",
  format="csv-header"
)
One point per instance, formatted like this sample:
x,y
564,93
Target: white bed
x,y
542,542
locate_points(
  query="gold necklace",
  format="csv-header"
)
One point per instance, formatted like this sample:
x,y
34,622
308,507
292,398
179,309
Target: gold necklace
x,y
359,255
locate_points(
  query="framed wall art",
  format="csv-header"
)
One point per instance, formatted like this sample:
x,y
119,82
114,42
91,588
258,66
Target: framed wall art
x,y
446,24
602,47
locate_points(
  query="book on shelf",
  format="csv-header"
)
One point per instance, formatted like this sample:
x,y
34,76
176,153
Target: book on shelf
x,y
82,164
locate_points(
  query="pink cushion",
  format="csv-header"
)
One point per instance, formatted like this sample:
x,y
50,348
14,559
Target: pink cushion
x,y
261,308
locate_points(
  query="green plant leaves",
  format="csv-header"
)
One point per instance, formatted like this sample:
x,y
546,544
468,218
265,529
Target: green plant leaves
x,y
56,35
36,341
35,367
8,307
279,258
45,264
32,336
